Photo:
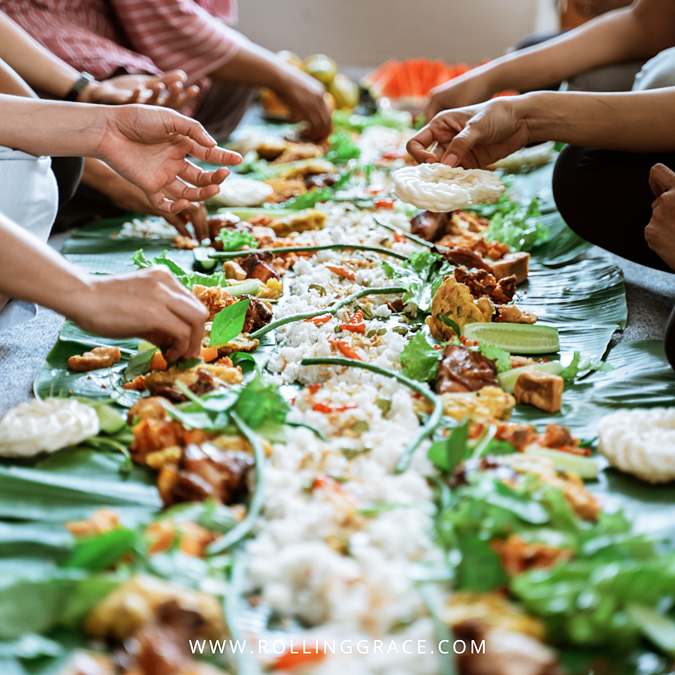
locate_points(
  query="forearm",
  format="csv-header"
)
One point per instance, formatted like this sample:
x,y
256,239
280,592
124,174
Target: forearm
x,y
51,127
34,272
12,84
629,122
622,35
35,64
252,65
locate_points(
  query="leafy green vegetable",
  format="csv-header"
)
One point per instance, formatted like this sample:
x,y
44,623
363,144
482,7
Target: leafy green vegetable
x,y
139,364
100,551
311,198
452,324
421,274
580,364
449,453
235,240
341,147
393,119
228,323
512,224
500,356
259,402
188,279
419,359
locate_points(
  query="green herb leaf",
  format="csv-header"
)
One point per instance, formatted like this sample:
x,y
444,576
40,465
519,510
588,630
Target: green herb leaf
x,y
500,356
419,359
139,364
101,551
449,322
228,323
235,240
449,453
341,147
260,401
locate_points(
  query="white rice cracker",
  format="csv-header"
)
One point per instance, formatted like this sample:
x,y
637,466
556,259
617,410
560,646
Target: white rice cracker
x,y
440,188
641,442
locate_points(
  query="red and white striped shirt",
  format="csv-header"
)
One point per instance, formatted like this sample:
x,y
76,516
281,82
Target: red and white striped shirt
x,y
140,36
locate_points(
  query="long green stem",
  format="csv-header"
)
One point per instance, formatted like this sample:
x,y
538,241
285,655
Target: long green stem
x,y
407,235
433,421
228,255
242,530
385,290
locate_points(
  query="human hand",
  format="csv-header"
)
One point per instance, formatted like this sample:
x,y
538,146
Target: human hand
x,y
473,137
592,8
127,196
305,97
660,232
468,89
150,304
168,90
149,147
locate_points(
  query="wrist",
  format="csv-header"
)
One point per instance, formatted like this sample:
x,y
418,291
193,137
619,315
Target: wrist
x,y
534,111
87,94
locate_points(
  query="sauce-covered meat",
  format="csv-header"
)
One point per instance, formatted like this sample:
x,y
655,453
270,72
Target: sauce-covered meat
x,y
462,370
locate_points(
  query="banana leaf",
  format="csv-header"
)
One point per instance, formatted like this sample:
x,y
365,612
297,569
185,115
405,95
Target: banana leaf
x,y
72,333
55,379
562,247
71,484
533,183
590,290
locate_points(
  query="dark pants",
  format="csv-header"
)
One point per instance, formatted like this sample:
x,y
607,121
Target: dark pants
x,y
604,196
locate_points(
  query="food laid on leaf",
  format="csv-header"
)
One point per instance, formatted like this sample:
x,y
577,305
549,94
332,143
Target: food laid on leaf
x,y
389,435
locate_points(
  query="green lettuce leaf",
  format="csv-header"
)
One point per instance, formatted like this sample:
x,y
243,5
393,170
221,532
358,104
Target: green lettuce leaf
x,y
233,241
419,359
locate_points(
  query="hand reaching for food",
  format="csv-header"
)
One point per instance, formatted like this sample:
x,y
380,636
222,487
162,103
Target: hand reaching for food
x,y
167,91
149,147
473,137
660,232
468,89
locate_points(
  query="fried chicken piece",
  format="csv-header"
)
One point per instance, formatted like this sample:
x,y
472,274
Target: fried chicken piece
x,y
214,298
428,225
100,357
102,520
163,382
518,435
463,220
147,408
542,390
482,283
185,243
258,314
258,265
462,370
557,436
518,556
302,221
513,264
512,314
151,435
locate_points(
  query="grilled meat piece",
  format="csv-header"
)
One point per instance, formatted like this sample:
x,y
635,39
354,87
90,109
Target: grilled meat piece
x,y
321,180
462,256
206,471
258,314
430,226
542,390
513,264
223,221
460,370
258,265
482,283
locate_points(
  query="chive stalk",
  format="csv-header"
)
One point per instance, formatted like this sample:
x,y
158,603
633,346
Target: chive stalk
x,y
228,255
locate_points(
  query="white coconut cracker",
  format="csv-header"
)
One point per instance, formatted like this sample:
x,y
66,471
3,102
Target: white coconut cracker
x,y
440,188
241,192
45,426
641,442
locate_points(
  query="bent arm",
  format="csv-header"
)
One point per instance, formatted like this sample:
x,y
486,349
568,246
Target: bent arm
x,y
638,121
637,32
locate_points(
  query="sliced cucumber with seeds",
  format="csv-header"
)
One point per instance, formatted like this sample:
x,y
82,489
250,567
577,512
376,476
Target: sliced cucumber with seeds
x,y
507,379
203,259
516,338
584,467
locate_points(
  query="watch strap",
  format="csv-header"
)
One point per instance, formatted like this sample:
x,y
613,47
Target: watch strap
x,y
83,81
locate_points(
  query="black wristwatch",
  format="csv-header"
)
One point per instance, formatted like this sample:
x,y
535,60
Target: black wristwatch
x,y
83,81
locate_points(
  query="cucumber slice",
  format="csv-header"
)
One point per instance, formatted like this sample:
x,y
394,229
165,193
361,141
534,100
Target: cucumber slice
x,y
516,338
144,345
507,379
246,287
203,261
584,467
245,213
109,420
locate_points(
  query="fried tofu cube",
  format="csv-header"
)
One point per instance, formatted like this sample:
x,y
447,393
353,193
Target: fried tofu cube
x,y
542,390
512,263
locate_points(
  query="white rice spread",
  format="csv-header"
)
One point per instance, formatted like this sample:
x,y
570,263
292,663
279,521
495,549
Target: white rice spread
x,y
440,188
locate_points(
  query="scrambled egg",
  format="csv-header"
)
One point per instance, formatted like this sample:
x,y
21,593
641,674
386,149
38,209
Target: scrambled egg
x,y
455,301
487,403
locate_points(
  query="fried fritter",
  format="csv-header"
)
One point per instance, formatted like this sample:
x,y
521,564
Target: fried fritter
x,y
214,298
100,357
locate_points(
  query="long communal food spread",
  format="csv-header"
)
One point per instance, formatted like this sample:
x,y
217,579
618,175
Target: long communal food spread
x,y
410,444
